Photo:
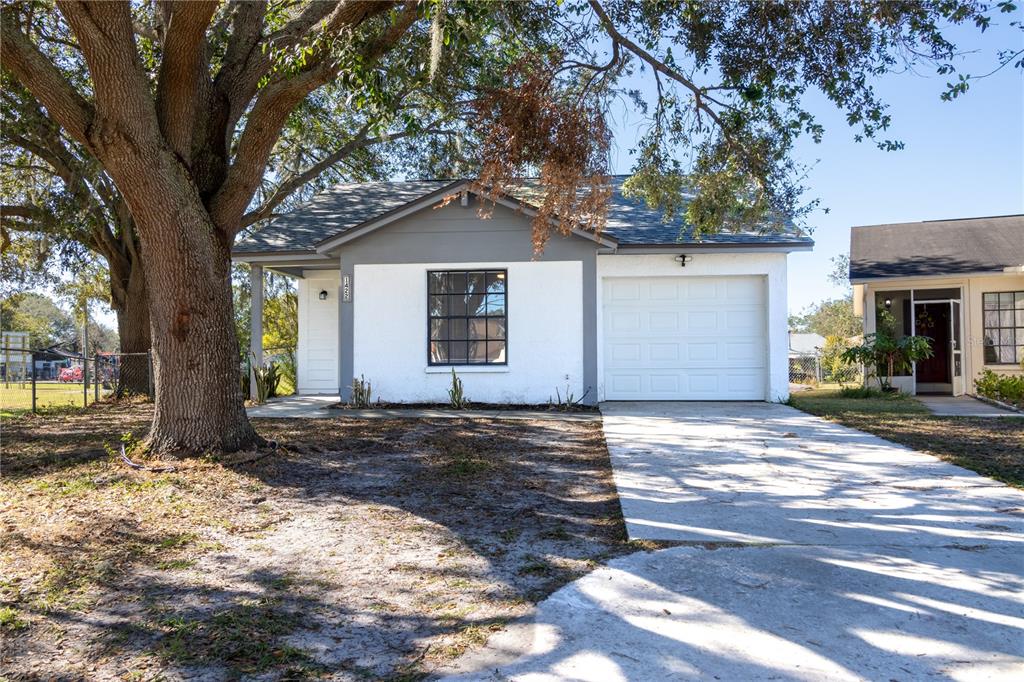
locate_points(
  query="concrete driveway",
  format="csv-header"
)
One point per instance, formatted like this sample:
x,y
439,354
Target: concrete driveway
x,y
803,550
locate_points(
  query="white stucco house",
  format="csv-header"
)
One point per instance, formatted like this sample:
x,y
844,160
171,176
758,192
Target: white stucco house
x,y
400,287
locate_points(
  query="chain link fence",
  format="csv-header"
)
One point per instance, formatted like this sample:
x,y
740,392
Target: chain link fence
x,y
35,380
812,369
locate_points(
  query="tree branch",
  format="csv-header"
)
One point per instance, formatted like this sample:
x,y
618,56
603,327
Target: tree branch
x,y
295,182
122,92
180,71
280,97
39,75
655,63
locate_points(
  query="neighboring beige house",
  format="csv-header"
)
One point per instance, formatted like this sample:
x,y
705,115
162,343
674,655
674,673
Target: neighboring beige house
x,y
959,282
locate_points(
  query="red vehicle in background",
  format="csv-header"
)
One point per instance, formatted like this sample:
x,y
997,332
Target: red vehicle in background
x,y
70,374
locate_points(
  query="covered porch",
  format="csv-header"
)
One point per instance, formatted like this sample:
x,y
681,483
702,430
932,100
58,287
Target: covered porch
x,y
319,292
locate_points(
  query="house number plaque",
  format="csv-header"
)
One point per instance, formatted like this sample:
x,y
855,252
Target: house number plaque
x,y
346,288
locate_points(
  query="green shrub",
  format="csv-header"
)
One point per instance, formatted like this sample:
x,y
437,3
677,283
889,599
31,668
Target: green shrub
x,y
837,368
1008,389
884,354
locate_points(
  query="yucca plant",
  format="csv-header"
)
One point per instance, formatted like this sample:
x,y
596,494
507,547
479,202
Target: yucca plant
x,y
456,396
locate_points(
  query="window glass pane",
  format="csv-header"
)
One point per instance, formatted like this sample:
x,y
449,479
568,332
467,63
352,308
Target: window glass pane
x,y
439,351
1019,300
1006,354
457,329
477,352
438,330
1019,318
495,304
478,329
990,301
457,352
990,355
437,306
1006,337
477,305
991,318
457,282
496,351
475,282
496,282
457,305
1006,299
496,328
1005,318
436,282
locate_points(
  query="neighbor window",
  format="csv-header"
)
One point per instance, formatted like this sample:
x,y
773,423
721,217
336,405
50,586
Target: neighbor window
x,y
467,317
1004,327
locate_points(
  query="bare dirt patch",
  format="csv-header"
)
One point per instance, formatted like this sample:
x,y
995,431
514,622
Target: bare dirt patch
x,y
366,549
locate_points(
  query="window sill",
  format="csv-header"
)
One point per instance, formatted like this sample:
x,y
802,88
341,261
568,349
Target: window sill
x,y
466,369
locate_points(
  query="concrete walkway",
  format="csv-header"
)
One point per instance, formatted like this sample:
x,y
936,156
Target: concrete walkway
x,y
319,407
962,406
808,551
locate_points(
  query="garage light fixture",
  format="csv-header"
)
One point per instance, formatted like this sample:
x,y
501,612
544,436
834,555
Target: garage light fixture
x,y
888,303
683,259
323,294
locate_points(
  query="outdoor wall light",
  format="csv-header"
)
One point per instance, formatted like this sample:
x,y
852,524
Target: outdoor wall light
x,y
323,294
888,303
683,259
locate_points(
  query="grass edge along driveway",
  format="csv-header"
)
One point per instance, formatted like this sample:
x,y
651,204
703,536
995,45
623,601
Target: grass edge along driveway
x,y
992,447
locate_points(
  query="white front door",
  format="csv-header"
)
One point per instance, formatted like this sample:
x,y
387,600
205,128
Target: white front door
x,y
684,338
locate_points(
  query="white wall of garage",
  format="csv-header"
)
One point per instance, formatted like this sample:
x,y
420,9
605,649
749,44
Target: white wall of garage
x,y
770,266
545,334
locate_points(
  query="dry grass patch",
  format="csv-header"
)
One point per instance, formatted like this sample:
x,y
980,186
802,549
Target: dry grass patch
x,y
992,447
378,547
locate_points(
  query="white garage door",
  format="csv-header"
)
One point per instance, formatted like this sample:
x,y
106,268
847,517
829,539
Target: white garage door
x,y
685,338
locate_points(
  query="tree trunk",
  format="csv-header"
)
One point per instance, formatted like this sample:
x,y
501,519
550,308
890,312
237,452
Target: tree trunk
x,y
134,333
199,402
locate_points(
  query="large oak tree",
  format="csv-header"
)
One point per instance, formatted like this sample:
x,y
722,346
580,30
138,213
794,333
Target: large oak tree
x,y
186,102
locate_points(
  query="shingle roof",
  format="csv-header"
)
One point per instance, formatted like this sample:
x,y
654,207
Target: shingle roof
x,y
334,211
348,205
937,247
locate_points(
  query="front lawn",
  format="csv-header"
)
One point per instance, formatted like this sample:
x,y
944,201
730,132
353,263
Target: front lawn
x,y
991,446
370,548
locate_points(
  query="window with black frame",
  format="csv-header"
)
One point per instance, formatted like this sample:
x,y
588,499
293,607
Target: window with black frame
x,y
1003,325
467,317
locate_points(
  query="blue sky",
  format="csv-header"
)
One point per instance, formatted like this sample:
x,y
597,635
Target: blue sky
x,y
962,158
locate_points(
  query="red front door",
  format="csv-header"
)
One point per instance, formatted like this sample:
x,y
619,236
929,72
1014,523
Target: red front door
x,y
932,320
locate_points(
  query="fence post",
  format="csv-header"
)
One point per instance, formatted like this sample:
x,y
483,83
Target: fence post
x,y
149,362
33,383
96,378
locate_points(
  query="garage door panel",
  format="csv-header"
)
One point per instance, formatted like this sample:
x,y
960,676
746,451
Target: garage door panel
x,y
663,321
684,338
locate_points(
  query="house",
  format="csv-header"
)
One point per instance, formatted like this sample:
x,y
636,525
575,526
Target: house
x,y
959,282
399,286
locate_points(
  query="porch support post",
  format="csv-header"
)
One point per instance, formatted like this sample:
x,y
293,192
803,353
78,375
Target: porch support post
x,y
255,324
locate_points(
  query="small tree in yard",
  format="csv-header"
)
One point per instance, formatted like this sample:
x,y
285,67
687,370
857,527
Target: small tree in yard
x,y
884,354
183,104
